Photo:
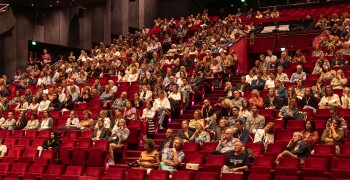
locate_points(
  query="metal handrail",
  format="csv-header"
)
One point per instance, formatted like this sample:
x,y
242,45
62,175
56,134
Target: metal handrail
x,y
4,8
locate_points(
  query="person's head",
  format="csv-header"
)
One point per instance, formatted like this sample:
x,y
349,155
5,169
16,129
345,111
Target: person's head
x,y
310,126
280,69
128,104
123,95
336,123
272,92
238,147
254,109
52,135
169,133
206,102
184,124
300,83
255,93
246,104
235,110
199,127
328,91
333,111
121,123
161,94
292,104
33,116
243,79
149,145
259,74
178,143
103,114
46,114
308,92
72,114
197,114
99,123
87,114
297,136
229,134
236,94
223,123
239,124
299,68
269,128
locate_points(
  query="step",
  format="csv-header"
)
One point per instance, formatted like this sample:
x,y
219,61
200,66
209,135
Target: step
x,y
175,126
133,153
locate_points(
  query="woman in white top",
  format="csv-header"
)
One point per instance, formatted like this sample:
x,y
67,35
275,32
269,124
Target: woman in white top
x,y
2,119
147,115
22,105
33,106
133,76
329,99
33,123
41,79
175,93
46,122
339,81
106,121
44,104
72,122
249,77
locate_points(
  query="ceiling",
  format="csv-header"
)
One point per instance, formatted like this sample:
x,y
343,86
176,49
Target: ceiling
x,y
49,3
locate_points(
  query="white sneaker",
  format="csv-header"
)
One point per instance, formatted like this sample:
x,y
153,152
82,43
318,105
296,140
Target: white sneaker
x,y
161,127
111,163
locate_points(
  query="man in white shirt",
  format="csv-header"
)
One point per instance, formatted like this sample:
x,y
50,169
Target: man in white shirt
x,y
162,105
270,58
112,86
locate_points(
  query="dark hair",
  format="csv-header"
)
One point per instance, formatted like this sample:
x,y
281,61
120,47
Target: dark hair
x,y
239,121
218,116
236,107
313,125
150,143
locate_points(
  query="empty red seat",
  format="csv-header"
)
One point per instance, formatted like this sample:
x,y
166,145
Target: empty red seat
x,y
296,125
183,175
214,163
284,137
17,133
230,176
30,133
93,172
97,157
29,154
190,147
114,173
322,114
315,167
4,167
269,114
158,175
15,152
86,134
257,148
73,134
139,174
263,165
318,178
65,155
322,150
287,178
23,142
287,166
35,171
9,142
38,142
340,168
68,143
84,142
79,156
44,133
259,176
274,149
194,159
208,147
17,169
73,172
344,151
206,175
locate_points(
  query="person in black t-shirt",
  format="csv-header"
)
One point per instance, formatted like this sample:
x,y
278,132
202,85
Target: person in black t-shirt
x,y
237,161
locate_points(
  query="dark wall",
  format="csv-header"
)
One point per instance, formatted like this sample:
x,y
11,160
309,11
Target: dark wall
x,y
176,8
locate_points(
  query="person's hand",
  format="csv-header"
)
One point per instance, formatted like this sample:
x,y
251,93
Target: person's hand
x,y
234,169
173,150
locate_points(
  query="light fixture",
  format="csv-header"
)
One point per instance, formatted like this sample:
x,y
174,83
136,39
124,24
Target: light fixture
x,y
282,49
33,42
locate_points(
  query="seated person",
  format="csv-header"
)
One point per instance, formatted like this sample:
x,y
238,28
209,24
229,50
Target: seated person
x,y
333,112
46,122
296,148
147,116
272,101
21,121
329,99
129,112
72,122
333,135
49,143
149,159
256,99
238,161
289,112
310,134
266,135
3,148
33,123
168,141
258,83
241,133
220,131
119,134
162,106
100,132
200,135
298,75
226,143
185,134
87,123
9,122
309,100
197,119
255,121
172,157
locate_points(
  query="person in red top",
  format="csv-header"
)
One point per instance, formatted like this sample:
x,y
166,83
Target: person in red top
x,y
45,57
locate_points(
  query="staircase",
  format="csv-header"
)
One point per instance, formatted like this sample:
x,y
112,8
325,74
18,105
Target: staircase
x,y
175,124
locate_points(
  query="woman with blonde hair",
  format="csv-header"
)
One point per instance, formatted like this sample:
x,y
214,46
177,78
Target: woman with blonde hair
x,y
266,135
200,135
197,119
226,108
256,99
87,123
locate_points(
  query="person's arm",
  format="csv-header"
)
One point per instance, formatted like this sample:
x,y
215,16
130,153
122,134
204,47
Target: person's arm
x,y
246,163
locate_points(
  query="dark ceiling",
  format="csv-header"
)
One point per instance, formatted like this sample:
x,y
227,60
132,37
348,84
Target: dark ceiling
x,y
50,3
